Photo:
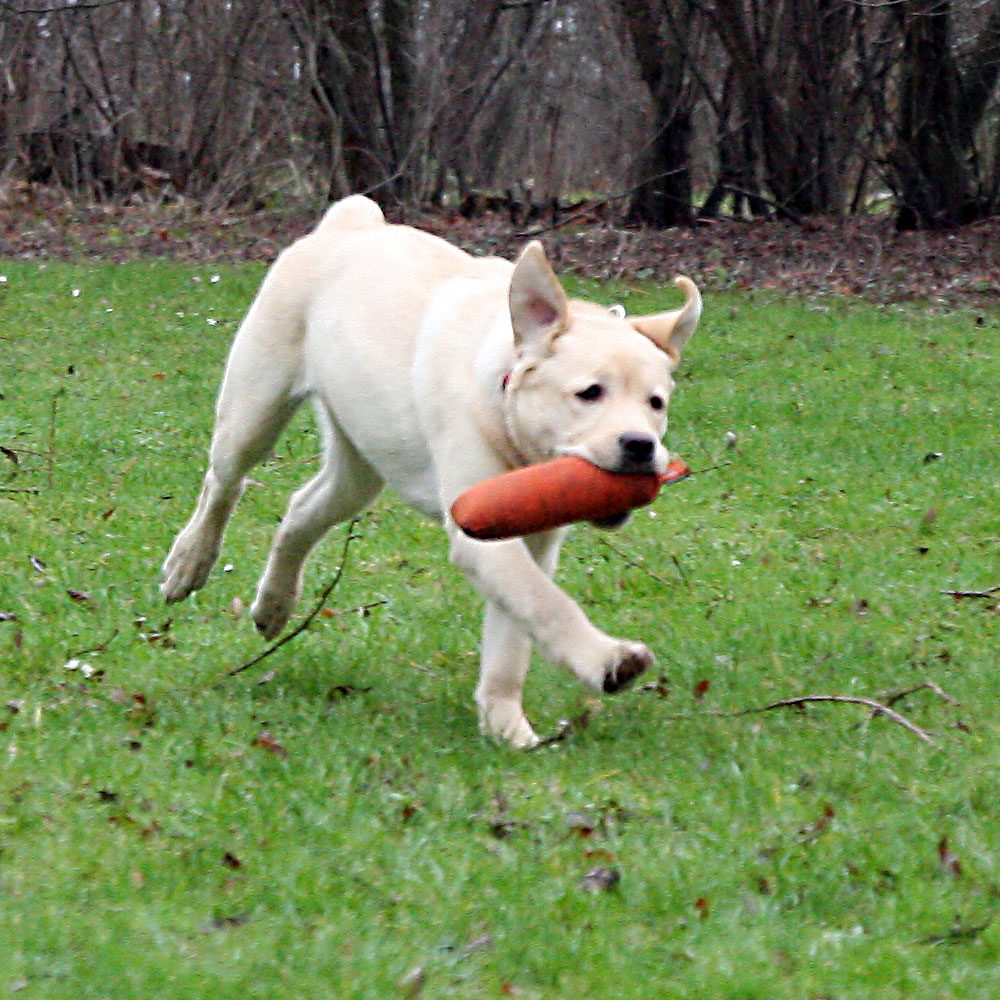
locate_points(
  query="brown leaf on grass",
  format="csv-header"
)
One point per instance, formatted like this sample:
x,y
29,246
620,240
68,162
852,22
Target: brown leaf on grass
x,y
600,880
660,687
119,696
222,923
701,689
267,742
581,823
948,860
157,637
340,691
503,828
702,907
812,830
79,596
231,861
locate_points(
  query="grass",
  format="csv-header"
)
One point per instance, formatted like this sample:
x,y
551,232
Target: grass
x,y
342,831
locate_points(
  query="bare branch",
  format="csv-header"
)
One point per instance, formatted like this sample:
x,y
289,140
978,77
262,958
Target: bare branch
x,y
989,593
877,707
309,618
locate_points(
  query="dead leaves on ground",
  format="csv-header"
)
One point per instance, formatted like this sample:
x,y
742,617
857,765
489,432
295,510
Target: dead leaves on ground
x,y
859,256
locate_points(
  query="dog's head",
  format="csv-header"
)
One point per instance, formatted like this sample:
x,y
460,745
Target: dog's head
x,y
587,381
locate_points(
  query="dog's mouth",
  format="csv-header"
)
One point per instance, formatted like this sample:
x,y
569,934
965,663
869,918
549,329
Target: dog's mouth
x,y
628,468
612,522
620,465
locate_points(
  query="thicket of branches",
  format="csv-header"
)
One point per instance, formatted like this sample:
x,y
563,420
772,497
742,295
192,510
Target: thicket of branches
x,y
670,108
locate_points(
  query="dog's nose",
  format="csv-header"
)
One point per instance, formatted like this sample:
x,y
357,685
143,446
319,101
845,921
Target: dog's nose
x,y
637,449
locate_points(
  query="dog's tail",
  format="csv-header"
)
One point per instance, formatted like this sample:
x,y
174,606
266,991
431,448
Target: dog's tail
x,y
352,213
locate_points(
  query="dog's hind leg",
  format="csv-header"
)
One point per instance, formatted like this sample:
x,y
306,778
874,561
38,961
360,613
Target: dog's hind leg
x,y
259,394
344,486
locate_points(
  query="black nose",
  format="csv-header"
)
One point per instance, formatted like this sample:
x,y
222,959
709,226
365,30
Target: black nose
x,y
636,448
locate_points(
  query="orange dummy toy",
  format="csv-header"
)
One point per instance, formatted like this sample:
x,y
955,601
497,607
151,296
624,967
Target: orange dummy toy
x,y
550,494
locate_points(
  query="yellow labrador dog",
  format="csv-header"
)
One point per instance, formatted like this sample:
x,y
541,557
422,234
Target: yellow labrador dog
x,y
432,370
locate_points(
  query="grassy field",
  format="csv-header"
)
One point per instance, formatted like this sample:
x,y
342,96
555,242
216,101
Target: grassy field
x,y
341,830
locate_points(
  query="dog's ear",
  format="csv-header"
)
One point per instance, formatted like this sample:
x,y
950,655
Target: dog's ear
x,y
539,309
670,331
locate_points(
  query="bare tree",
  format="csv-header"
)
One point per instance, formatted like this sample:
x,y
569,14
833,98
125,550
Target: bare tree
x,y
789,64
798,106
663,36
935,163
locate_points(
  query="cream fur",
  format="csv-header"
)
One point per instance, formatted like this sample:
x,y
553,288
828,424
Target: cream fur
x,y
431,370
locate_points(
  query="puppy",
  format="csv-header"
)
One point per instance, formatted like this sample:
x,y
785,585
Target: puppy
x,y
432,370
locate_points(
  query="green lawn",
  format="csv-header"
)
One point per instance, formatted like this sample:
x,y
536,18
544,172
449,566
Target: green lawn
x,y
343,831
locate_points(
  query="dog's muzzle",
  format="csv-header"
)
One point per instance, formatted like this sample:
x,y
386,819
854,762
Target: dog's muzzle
x,y
637,453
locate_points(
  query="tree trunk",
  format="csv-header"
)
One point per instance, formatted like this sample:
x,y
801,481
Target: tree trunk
x,y
787,63
663,196
932,157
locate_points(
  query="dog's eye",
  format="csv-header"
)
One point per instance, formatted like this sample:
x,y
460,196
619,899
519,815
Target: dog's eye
x,y
591,394
656,402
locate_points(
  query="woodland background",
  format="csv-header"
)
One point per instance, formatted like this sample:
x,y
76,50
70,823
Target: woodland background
x,y
847,124
802,107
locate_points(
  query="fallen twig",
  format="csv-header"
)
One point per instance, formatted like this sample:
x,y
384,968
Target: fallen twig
x,y
989,593
635,562
567,728
891,699
877,708
359,609
308,620
958,933
101,647
50,455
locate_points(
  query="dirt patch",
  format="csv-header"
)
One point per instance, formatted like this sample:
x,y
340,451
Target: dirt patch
x,y
858,257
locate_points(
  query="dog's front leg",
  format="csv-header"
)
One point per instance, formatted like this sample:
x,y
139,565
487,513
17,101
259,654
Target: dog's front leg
x,y
508,577
506,653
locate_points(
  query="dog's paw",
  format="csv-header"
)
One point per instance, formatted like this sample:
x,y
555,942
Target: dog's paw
x,y
185,569
631,659
505,721
271,610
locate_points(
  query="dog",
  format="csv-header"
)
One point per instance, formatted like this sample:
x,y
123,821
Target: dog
x,y
432,370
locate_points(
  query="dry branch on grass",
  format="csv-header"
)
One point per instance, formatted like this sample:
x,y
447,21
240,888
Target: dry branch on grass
x,y
990,593
877,707
310,617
